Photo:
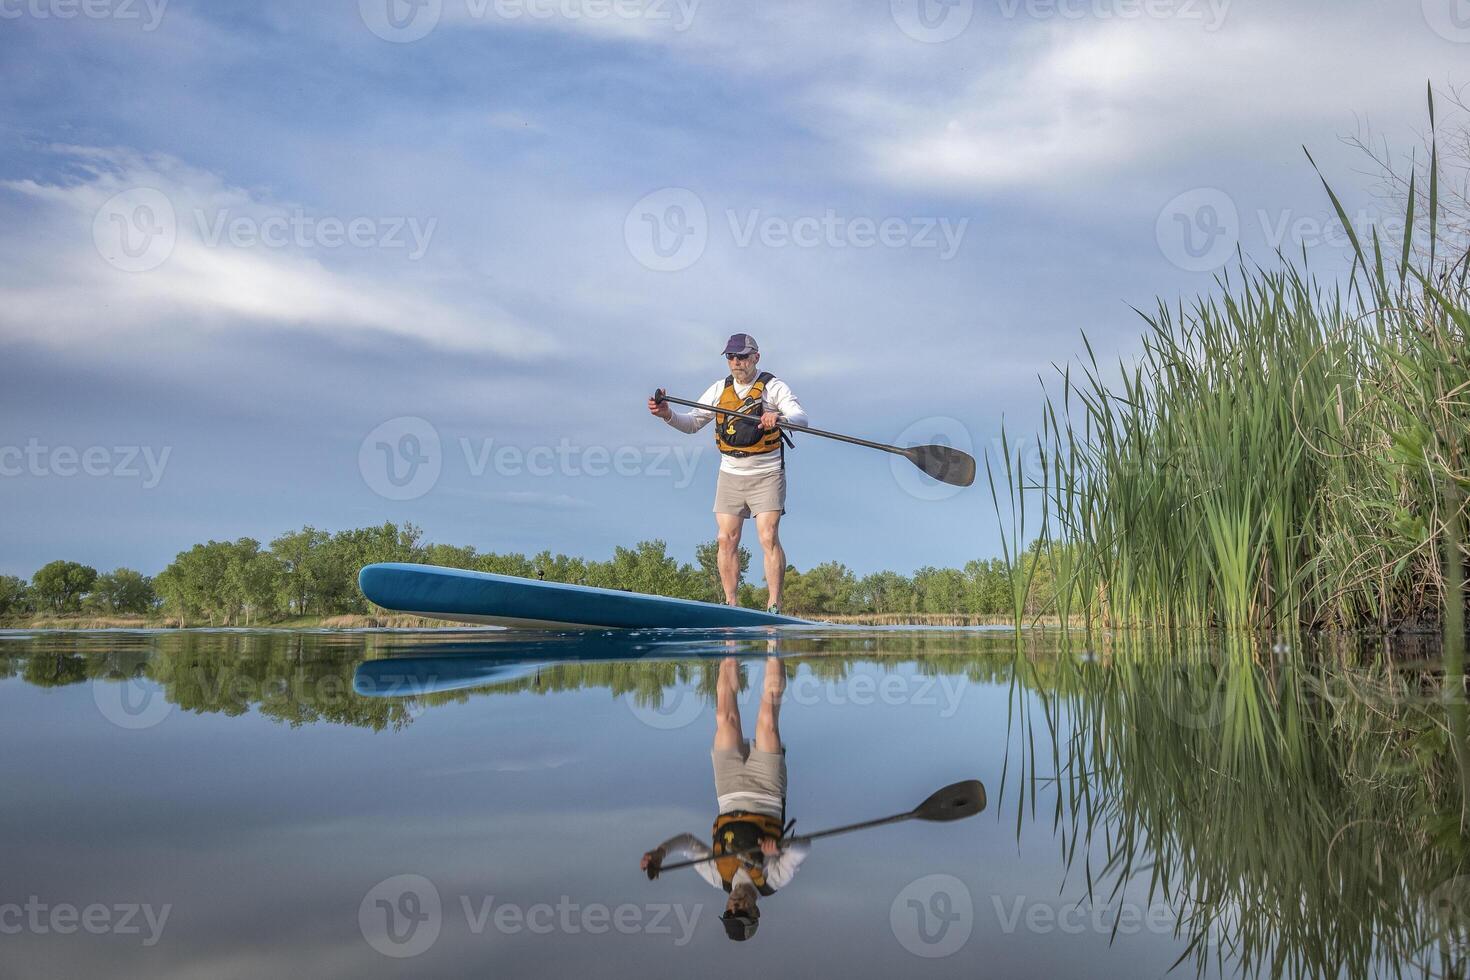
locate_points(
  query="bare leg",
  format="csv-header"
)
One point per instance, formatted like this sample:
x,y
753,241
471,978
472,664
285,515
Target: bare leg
x,y
768,722
768,525
727,706
729,558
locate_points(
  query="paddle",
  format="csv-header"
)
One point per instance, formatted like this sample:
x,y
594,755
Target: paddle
x,y
945,464
954,802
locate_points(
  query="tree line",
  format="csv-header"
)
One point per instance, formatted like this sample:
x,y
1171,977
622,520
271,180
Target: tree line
x,y
313,573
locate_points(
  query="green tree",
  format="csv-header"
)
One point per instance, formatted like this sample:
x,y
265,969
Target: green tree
x,y
830,588
61,584
124,590
707,557
13,595
306,574
887,592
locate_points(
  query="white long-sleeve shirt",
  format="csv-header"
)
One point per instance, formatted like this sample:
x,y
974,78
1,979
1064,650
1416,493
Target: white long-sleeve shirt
x,y
780,868
777,397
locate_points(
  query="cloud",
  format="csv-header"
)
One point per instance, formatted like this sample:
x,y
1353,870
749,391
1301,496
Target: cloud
x,y
131,243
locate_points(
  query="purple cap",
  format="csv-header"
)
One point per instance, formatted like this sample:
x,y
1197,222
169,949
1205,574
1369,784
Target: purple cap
x,y
741,343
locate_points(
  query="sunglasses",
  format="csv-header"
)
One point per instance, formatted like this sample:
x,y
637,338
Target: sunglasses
x,y
738,357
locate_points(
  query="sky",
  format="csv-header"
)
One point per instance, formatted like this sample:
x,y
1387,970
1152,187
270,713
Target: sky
x,y
274,264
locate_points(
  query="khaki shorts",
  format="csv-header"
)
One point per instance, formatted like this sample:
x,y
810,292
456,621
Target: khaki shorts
x,y
755,493
748,770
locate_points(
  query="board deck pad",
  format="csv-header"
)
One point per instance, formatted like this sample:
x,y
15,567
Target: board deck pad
x,y
482,598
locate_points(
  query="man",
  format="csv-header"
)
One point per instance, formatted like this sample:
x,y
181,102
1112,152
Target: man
x,y
752,479
750,787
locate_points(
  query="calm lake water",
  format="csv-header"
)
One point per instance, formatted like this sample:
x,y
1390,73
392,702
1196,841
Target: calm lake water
x,y
439,804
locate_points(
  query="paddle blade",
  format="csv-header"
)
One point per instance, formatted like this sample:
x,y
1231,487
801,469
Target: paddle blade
x,y
944,464
954,802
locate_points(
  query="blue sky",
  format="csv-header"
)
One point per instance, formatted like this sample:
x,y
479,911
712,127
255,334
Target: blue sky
x,y
251,253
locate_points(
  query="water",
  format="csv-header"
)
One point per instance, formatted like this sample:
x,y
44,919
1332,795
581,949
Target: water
x,y
434,804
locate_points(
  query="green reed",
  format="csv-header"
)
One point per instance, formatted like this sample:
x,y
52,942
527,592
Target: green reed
x,y
1284,454
1302,816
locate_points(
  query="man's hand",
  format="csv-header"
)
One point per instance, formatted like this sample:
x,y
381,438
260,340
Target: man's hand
x,y
770,847
660,408
652,862
768,419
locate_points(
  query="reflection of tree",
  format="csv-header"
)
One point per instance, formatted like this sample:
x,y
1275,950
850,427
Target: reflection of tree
x,y
1300,820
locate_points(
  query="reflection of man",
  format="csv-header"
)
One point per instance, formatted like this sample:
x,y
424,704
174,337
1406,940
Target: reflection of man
x,y
749,860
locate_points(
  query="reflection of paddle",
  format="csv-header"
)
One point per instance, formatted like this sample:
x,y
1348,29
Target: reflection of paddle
x,y
945,464
955,802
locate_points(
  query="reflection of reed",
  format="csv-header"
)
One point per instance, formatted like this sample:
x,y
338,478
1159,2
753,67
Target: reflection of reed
x,y
1303,818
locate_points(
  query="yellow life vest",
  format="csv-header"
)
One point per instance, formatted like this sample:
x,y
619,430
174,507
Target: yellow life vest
x,y
742,437
739,831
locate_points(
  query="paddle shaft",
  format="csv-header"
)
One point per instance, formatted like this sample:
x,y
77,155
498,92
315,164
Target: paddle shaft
x,y
790,426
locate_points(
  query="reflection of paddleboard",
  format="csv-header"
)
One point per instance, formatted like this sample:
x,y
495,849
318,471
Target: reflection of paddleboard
x,y
399,677
504,600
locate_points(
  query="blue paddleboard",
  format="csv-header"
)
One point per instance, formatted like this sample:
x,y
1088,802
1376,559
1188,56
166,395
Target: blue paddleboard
x,y
482,598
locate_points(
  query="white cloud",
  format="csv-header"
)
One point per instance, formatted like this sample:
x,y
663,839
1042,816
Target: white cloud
x,y
229,258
